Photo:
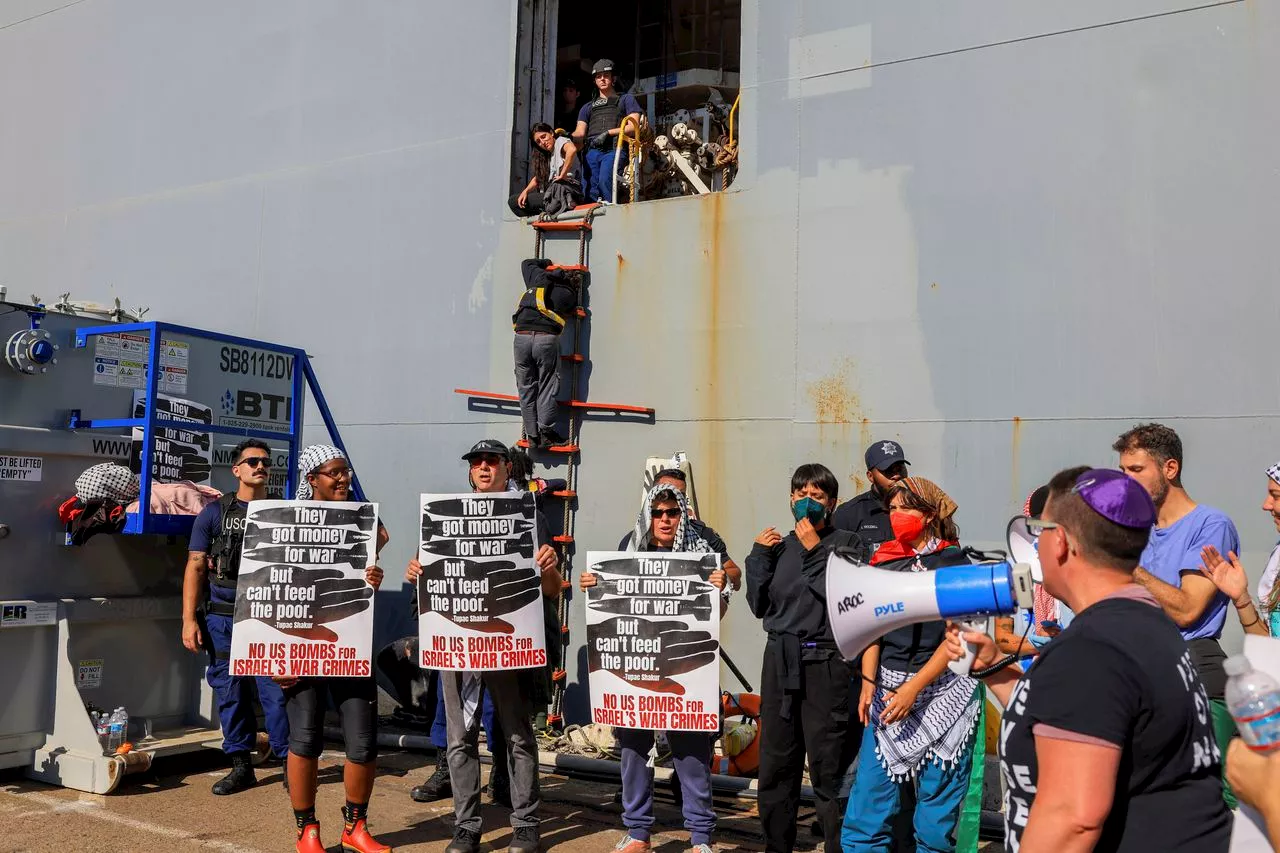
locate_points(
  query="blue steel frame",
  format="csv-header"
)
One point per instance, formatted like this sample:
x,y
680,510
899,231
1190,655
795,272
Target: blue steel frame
x,y
144,521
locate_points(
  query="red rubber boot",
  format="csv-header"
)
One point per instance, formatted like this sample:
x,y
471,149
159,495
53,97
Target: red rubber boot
x,y
309,839
356,839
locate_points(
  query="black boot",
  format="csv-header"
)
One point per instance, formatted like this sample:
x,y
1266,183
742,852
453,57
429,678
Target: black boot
x,y
438,786
240,778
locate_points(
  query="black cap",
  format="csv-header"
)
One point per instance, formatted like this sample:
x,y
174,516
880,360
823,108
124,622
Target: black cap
x,y
602,66
488,446
884,454
570,82
1038,499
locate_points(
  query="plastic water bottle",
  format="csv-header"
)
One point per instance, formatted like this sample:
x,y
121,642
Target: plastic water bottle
x,y
116,736
102,725
1253,698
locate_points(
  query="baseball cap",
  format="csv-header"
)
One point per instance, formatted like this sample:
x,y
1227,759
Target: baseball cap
x,y
602,66
570,83
488,446
883,454
1117,497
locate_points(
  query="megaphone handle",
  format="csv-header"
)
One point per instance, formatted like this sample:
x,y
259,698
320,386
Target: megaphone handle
x,y
964,664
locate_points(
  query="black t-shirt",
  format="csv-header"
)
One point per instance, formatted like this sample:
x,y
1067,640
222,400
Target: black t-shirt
x,y
1121,673
866,516
909,648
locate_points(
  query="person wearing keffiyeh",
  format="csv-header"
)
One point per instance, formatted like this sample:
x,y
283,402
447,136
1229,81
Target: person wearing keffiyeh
x,y
1230,578
324,474
920,717
663,525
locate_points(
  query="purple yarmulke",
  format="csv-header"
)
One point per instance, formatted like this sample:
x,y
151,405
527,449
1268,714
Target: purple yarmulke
x,y
1116,497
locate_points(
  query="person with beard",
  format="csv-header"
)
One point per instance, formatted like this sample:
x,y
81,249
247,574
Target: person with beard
x,y
516,692
213,566
920,717
325,475
865,514
1170,566
664,526
804,689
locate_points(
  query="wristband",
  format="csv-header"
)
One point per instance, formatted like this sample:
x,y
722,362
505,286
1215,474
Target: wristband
x,y
1248,602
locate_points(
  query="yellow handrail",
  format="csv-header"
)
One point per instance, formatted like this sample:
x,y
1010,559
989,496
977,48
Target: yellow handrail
x,y
633,147
733,111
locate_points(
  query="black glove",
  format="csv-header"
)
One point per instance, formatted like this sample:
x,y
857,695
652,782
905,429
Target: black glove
x,y
679,651
698,607
337,597
601,141
510,589
312,555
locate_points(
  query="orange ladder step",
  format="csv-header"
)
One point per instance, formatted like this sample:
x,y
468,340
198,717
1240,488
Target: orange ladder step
x,y
563,539
555,448
575,357
573,404
562,493
569,267
568,225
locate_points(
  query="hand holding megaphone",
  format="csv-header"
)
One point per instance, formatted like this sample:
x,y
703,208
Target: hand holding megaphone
x,y
971,648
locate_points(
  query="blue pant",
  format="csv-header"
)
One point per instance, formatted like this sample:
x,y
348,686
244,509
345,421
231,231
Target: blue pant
x,y
692,754
235,696
876,799
599,173
440,735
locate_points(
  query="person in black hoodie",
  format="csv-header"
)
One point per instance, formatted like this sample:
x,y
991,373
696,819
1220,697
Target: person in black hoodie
x,y
804,693
549,298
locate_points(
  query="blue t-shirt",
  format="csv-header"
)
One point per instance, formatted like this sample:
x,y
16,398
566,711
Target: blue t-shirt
x,y
1175,550
207,526
627,104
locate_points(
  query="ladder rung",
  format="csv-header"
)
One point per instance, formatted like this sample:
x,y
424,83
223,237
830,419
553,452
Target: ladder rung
x,y
559,675
566,585
562,493
580,311
573,404
563,539
552,719
568,225
575,357
564,629
562,448
569,267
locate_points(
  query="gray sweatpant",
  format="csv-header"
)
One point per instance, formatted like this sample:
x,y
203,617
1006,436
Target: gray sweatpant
x,y
464,755
537,359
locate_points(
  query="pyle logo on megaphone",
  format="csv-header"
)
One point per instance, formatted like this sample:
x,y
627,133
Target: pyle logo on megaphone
x,y
890,609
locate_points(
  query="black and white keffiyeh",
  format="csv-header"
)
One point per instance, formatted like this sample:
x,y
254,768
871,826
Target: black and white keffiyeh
x,y
938,727
309,460
110,482
1267,583
687,538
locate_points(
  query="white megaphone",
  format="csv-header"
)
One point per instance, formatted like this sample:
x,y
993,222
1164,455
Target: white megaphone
x,y
865,603
1024,547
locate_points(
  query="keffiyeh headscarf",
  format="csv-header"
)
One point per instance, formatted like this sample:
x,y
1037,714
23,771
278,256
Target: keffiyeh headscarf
x,y
686,539
309,460
932,493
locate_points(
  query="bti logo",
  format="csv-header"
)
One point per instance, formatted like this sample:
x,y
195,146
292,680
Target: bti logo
x,y
889,609
14,613
252,404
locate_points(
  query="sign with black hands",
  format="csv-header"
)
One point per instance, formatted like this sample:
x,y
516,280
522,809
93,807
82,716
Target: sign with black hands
x,y
175,454
653,638
479,596
303,605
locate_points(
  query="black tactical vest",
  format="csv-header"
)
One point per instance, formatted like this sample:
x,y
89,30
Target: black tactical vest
x,y
225,552
604,115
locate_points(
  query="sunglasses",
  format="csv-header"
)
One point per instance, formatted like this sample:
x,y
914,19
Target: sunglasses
x,y
491,461
256,461
673,512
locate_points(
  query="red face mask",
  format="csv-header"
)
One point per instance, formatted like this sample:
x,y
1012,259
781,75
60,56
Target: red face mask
x,y
907,526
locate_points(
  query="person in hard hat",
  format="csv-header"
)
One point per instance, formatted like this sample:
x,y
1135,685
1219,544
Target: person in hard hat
x,y
664,525
516,693
213,566
598,127
326,475
804,683
1107,742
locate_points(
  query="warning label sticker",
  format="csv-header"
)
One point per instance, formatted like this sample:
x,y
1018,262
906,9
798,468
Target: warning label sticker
x,y
119,360
26,468
89,674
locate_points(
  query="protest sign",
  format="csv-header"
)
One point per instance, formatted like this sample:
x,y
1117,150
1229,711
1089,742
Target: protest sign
x,y
653,635
303,606
480,594
175,454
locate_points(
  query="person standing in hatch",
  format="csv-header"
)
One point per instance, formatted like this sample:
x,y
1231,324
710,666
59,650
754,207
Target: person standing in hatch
x,y
598,126
555,175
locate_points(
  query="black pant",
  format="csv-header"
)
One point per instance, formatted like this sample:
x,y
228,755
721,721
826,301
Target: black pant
x,y
819,726
533,204
357,702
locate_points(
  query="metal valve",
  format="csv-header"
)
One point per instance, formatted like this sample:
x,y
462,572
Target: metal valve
x,y
31,351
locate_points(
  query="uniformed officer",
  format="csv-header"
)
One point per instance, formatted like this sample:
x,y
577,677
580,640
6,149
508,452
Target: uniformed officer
x,y
598,125
214,556
865,514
